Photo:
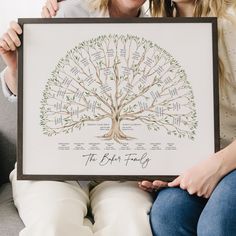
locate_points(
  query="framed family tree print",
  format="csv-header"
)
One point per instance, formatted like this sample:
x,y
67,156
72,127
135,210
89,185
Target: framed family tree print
x,y
116,98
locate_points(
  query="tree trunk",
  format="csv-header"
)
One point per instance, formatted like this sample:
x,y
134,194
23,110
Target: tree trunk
x,y
115,131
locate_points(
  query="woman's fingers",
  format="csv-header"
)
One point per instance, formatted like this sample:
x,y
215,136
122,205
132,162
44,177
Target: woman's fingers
x,y
14,37
176,182
145,189
16,27
54,4
159,184
146,186
9,41
152,186
45,13
50,8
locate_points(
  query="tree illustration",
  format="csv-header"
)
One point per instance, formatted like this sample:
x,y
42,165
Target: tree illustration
x,y
121,78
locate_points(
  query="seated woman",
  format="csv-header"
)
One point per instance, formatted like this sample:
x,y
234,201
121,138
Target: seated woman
x,y
202,201
51,208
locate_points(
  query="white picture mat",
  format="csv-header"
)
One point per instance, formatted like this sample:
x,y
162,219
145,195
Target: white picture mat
x,y
45,45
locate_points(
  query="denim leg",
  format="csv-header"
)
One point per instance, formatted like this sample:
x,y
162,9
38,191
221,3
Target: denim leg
x,y
176,213
219,215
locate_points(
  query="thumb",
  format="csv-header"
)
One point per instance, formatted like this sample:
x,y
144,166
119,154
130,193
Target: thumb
x,y
175,182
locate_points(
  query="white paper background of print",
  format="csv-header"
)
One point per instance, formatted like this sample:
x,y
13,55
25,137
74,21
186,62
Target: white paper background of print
x,y
190,44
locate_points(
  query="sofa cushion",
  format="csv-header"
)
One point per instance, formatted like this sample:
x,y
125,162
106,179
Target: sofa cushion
x,y
7,135
10,222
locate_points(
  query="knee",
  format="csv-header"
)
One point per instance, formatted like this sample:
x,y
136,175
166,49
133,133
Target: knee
x,y
218,216
166,215
120,197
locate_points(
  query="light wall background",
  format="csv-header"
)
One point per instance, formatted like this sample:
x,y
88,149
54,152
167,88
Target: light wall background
x,y
13,9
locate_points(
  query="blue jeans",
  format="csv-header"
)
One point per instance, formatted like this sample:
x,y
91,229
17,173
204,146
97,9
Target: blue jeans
x,y
176,213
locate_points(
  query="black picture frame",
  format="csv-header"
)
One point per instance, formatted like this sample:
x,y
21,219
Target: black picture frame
x,y
99,21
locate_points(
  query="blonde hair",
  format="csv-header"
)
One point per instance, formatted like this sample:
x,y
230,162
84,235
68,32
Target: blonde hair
x,y
101,5
203,8
161,8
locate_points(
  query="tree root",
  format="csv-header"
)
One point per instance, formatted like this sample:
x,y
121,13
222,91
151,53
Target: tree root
x,y
117,137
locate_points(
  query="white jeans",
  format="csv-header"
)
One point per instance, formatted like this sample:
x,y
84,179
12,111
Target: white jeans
x,y
51,208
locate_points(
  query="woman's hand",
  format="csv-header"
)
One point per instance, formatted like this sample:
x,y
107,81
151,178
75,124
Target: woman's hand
x,y
202,178
50,8
152,186
9,42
